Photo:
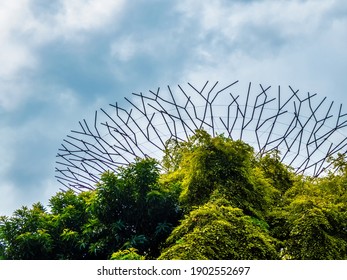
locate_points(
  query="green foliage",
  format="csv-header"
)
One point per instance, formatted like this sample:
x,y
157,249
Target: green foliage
x,y
305,215
128,254
134,208
214,199
221,168
23,236
311,224
36,234
129,209
217,230
280,176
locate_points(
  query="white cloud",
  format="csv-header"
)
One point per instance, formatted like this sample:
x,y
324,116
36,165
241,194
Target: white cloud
x,y
11,13
88,15
300,42
13,58
124,49
256,23
75,19
22,33
15,55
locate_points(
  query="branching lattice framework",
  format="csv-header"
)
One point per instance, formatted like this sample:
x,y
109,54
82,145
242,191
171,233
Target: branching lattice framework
x,y
305,130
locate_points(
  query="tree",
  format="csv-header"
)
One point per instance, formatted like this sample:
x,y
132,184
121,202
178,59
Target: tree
x,y
127,210
305,215
134,208
281,176
24,236
312,221
37,234
214,199
217,230
218,167
128,254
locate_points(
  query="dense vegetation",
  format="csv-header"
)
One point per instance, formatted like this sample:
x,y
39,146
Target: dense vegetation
x,y
211,198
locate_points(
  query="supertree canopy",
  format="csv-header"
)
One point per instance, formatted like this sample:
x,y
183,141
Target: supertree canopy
x,y
307,130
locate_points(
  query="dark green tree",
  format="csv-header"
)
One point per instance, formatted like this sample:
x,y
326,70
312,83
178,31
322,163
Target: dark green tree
x,y
130,209
24,235
134,210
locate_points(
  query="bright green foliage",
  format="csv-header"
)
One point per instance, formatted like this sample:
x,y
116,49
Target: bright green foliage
x,y
221,168
280,175
305,216
128,254
236,205
217,230
311,224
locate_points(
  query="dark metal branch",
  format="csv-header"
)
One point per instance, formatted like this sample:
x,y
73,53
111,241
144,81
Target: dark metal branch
x,y
307,135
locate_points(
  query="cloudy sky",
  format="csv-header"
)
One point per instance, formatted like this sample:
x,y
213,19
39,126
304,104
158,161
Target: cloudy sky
x,y
61,60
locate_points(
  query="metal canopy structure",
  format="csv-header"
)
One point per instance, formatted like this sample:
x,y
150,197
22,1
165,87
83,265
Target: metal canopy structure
x,y
305,129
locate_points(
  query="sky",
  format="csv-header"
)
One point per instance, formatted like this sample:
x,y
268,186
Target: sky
x,y
61,60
